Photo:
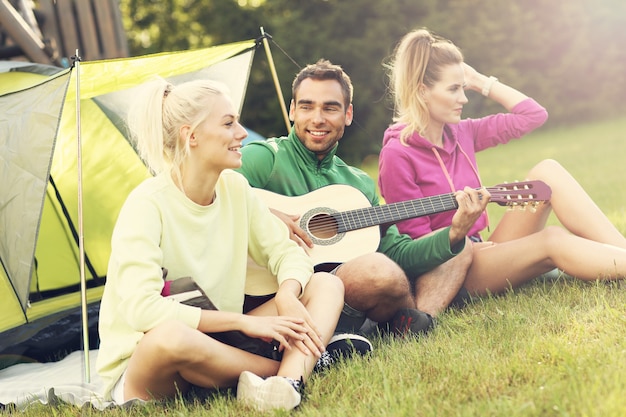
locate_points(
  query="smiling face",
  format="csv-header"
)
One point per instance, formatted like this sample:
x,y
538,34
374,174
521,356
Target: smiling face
x,y
216,142
445,99
319,115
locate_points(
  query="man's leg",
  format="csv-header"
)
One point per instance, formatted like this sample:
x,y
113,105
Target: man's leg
x,y
376,286
435,290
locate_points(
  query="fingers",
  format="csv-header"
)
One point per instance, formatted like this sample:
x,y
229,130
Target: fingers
x,y
485,196
296,233
311,344
288,330
472,204
311,340
305,240
305,337
472,199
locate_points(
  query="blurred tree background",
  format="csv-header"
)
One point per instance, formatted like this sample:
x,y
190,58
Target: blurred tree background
x,y
569,56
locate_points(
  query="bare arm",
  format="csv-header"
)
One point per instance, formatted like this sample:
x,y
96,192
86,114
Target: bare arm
x,y
288,304
507,96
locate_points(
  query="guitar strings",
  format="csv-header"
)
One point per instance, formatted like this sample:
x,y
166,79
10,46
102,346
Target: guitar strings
x,y
386,213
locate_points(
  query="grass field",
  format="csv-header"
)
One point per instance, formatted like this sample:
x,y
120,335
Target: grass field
x,y
556,347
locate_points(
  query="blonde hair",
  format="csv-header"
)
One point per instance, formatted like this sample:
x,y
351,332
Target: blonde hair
x,y
418,60
159,112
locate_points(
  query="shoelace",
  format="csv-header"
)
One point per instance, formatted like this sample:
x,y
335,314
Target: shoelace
x,y
298,385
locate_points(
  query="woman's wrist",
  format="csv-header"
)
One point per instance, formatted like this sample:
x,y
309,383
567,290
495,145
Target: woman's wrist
x,y
488,85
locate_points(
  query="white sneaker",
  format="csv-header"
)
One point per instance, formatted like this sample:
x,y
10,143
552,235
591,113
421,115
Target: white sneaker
x,y
267,394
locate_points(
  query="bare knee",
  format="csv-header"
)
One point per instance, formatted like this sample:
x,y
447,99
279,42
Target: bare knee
x,y
167,340
325,285
374,272
544,169
374,282
552,237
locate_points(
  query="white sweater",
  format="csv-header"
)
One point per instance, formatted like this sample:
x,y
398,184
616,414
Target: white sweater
x,y
158,226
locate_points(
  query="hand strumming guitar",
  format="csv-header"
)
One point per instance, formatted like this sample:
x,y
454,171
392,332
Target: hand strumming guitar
x,y
296,233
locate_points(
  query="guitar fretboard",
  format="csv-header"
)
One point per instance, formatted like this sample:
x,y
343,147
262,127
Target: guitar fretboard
x,y
394,212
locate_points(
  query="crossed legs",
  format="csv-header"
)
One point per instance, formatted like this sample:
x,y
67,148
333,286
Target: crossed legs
x,y
171,357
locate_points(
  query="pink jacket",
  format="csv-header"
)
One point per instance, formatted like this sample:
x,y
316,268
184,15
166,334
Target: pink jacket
x,y
414,171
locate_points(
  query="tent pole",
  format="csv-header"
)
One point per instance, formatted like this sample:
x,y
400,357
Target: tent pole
x,y
81,246
281,99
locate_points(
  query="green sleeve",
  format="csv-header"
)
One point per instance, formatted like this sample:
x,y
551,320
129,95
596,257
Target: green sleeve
x,y
417,256
257,163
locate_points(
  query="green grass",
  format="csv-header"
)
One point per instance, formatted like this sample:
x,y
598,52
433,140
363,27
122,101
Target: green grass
x,y
555,347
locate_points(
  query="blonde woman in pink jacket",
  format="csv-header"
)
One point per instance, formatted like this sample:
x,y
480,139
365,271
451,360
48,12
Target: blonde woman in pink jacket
x,y
430,150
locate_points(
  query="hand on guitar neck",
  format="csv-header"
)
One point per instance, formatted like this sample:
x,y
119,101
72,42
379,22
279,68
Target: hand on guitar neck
x,y
471,204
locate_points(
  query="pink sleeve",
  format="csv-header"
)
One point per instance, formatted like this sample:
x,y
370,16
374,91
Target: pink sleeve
x,y
500,128
397,182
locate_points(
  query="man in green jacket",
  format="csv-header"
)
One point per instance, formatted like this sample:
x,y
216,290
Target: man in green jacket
x,y
401,283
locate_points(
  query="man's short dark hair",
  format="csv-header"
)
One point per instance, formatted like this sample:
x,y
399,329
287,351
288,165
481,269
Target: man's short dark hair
x,y
325,70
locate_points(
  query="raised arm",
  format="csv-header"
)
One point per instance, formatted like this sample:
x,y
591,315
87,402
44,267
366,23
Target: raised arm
x,y
491,87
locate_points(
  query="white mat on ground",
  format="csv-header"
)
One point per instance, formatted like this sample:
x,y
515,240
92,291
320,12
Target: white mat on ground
x,y
53,382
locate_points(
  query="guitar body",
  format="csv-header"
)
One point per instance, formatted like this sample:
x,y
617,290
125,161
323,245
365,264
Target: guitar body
x,y
330,245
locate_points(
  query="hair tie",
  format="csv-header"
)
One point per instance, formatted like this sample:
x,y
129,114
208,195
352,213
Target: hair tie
x,y
167,91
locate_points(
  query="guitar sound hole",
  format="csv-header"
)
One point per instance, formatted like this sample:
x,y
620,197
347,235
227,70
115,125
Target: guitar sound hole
x,y
323,226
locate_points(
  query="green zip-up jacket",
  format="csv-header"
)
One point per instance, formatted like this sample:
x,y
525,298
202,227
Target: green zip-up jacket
x,y
284,166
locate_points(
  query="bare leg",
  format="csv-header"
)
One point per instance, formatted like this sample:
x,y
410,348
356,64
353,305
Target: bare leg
x,y
172,356
375,285
323,298
571,204
500,266
435,290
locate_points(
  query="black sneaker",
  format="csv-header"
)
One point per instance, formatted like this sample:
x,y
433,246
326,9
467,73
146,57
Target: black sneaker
x,y
408,321
342,345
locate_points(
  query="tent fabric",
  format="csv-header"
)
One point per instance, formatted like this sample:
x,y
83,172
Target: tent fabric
x,y
28,383
24,168
40,268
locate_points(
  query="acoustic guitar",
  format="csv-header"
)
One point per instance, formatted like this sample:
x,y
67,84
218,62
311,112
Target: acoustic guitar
x,y
342,224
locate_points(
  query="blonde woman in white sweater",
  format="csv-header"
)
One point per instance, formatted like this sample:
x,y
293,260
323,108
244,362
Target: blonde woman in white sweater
x,y
198,218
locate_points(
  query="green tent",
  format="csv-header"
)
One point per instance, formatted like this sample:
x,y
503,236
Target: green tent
x,y
43,190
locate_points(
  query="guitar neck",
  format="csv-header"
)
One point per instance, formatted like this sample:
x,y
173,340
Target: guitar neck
x,y
394,212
